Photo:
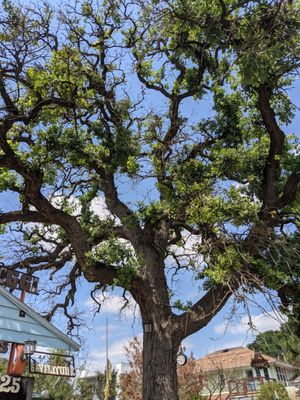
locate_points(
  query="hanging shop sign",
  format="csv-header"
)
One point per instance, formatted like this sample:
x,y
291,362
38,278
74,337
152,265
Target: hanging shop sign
x,y
18,280
52,364
13,388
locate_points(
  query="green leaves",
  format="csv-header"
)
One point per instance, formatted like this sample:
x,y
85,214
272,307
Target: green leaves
x,y
282,344
120,255
8,180
223,265
271,389
267,40
173,112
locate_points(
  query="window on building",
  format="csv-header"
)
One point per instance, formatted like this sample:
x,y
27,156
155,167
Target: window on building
x,y
249,373
258,374
222,380
266,373
251,384
281,374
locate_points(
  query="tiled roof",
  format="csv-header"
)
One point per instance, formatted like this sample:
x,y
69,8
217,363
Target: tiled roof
x,y
236,357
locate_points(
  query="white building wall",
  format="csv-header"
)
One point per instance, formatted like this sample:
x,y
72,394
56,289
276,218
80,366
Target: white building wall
x,y
120,368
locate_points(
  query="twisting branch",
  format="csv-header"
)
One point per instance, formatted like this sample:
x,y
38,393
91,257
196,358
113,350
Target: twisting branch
x,y
277,138
22,216
69,298
201,313
289,191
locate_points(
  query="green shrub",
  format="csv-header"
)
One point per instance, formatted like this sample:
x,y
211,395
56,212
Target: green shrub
x,y
273,391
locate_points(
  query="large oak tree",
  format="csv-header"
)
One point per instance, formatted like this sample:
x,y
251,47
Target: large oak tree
x,y
95,94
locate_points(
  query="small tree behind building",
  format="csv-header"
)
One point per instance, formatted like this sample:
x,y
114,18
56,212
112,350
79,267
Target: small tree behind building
x,y
190,381
131,383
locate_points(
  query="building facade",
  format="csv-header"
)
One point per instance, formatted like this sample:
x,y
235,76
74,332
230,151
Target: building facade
x,y
230,374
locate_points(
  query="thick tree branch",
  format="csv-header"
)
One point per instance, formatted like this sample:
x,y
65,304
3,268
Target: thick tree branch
x,y
10,106
277,138
22,216
289,191
56,258
130,226
34,112
149,85
201,313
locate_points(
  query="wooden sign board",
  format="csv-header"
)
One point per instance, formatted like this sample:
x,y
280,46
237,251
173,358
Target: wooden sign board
x,y
18,280
52,364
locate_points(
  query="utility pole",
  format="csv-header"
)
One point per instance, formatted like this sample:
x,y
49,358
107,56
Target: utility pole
x,y
108,373
106,349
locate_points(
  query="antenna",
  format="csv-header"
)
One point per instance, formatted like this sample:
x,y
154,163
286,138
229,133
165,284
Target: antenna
x,y
106,348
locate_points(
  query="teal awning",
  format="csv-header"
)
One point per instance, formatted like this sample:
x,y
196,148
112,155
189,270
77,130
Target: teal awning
x,y
19,323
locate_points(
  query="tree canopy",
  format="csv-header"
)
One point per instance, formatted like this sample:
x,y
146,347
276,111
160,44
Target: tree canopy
x,y
284,344
185,106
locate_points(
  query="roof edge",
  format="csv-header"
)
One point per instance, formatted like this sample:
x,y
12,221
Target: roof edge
x,y
271,360
33,314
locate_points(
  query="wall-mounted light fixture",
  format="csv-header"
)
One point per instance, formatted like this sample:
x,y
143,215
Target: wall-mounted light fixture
x,y
3,346
30,347
147,327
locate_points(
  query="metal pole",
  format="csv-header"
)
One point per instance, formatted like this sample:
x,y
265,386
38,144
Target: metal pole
x,y
11,359
13,345
106,388
106,349
22,298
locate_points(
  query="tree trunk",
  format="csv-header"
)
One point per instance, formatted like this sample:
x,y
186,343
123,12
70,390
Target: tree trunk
x,y
159,366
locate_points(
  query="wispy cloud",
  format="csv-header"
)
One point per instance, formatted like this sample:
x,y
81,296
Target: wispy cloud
x,y
99,207
256,324
115,305
116,354
221,344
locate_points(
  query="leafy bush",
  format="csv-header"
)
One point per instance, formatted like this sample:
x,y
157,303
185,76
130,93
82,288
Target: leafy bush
x,y
273,391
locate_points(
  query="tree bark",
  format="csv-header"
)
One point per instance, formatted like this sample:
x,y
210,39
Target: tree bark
x,y
159,366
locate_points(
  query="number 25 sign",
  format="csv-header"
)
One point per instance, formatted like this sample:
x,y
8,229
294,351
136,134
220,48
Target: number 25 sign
x,y
11,388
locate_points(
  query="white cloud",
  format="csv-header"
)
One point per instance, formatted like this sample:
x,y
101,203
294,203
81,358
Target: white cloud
x,y
114,304
221,344
260,323
72,201
99,207
116,354
188,251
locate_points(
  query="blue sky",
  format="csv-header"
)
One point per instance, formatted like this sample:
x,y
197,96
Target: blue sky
x,y
124,325
216,335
